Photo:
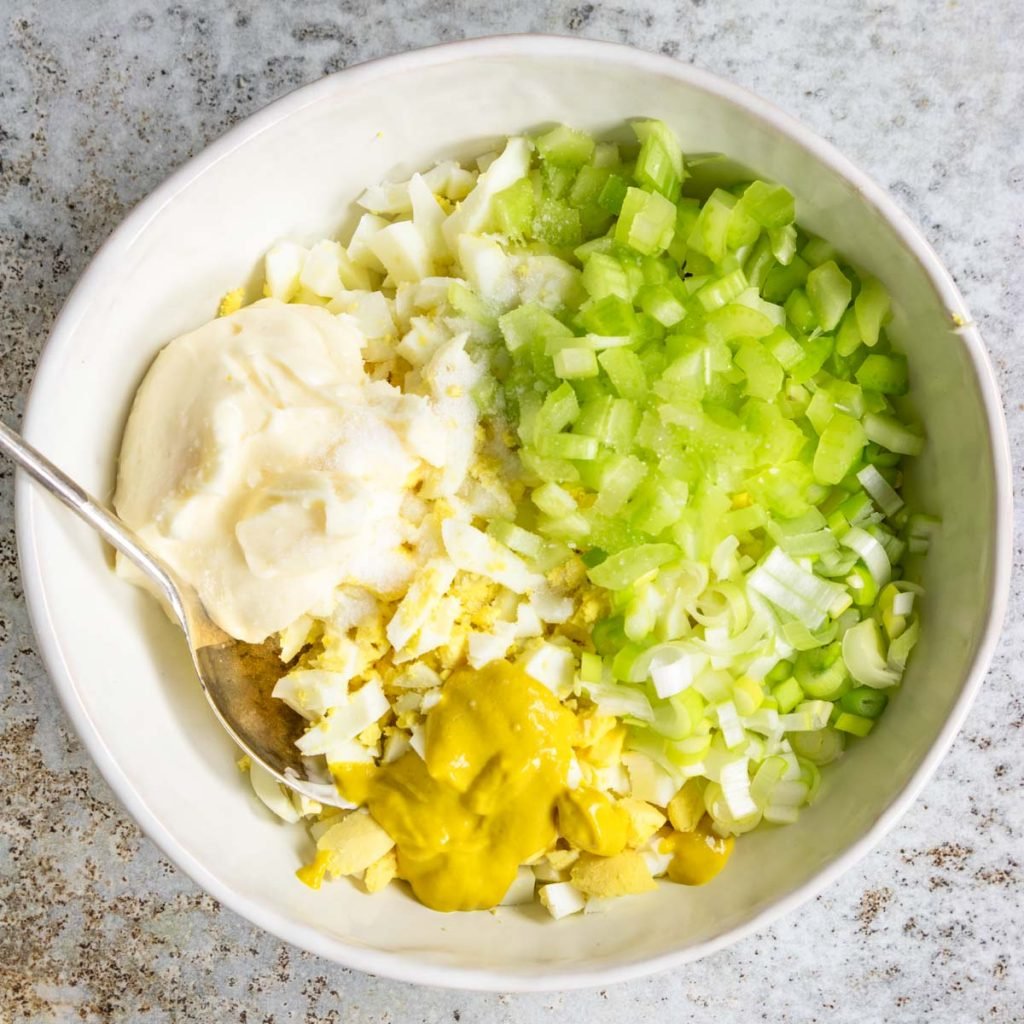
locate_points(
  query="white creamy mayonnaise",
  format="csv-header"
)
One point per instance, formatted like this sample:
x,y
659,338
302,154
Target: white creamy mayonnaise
x,y
264,465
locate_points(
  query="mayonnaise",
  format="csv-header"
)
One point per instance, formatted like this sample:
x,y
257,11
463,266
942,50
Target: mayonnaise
x,y
264,465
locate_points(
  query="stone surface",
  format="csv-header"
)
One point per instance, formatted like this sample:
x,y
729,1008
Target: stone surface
x,y
98,103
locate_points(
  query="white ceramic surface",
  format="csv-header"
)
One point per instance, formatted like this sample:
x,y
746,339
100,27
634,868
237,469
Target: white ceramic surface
x,y
292,171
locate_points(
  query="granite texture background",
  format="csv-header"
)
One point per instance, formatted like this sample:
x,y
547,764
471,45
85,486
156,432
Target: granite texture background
x,y
99,101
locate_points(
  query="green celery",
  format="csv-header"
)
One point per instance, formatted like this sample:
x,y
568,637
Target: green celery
x,y
829,291
886,374
563,145
646,222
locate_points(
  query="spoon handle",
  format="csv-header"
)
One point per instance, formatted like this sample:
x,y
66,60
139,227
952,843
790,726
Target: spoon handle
x,y
103,521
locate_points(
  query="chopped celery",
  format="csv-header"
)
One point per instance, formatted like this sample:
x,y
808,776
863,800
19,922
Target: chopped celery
x,y
611,316
567,446
647,222
564,145
513,209
659,164
702,395
625,567
553,499
887,374
839,449
529,323
781,280
772,206
871,308
575,362
711,232
558,224
829,291
587,186
612,194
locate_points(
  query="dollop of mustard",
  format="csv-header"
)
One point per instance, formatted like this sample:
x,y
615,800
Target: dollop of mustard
x,y
481,800
593,822
698,855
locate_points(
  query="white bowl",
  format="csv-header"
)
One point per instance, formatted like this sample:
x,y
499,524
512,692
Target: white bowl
x,y
293,170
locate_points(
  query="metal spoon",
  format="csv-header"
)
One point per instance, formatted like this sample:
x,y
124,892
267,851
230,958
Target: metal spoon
x,y
236,677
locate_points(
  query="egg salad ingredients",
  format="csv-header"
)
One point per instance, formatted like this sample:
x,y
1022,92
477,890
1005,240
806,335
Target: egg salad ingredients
x,y
283,469
706,521
620,560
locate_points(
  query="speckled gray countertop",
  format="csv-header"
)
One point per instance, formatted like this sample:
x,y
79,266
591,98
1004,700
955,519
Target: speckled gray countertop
x,y
99,101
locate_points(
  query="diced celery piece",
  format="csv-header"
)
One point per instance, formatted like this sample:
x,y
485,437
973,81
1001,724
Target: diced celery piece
x,y
743,229
890,433
625,371
620,477
786,349
658,503
818,251
611,421
855,725
575,362
784,489
816,351
764,374
529,323
594,221
661,303
687,212
559,409
556,179
558,224
781,280
560,469
839,449
659,164
848,338
563,145
553,499
787,694
799,310
513,209
820,410
783,243
594,415
829,291
711,232
611,316
587,187
613,194
723,290
515,538
573,527
646,222
887,374
739,321
772,206
871,308
625,567
759,262
604,275
567,446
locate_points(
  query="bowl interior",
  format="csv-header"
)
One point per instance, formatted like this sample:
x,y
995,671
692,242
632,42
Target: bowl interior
x,y
293,172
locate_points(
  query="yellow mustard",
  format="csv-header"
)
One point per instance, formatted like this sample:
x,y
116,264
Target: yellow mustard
x,y
481,801
353,779
697,856
593,821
